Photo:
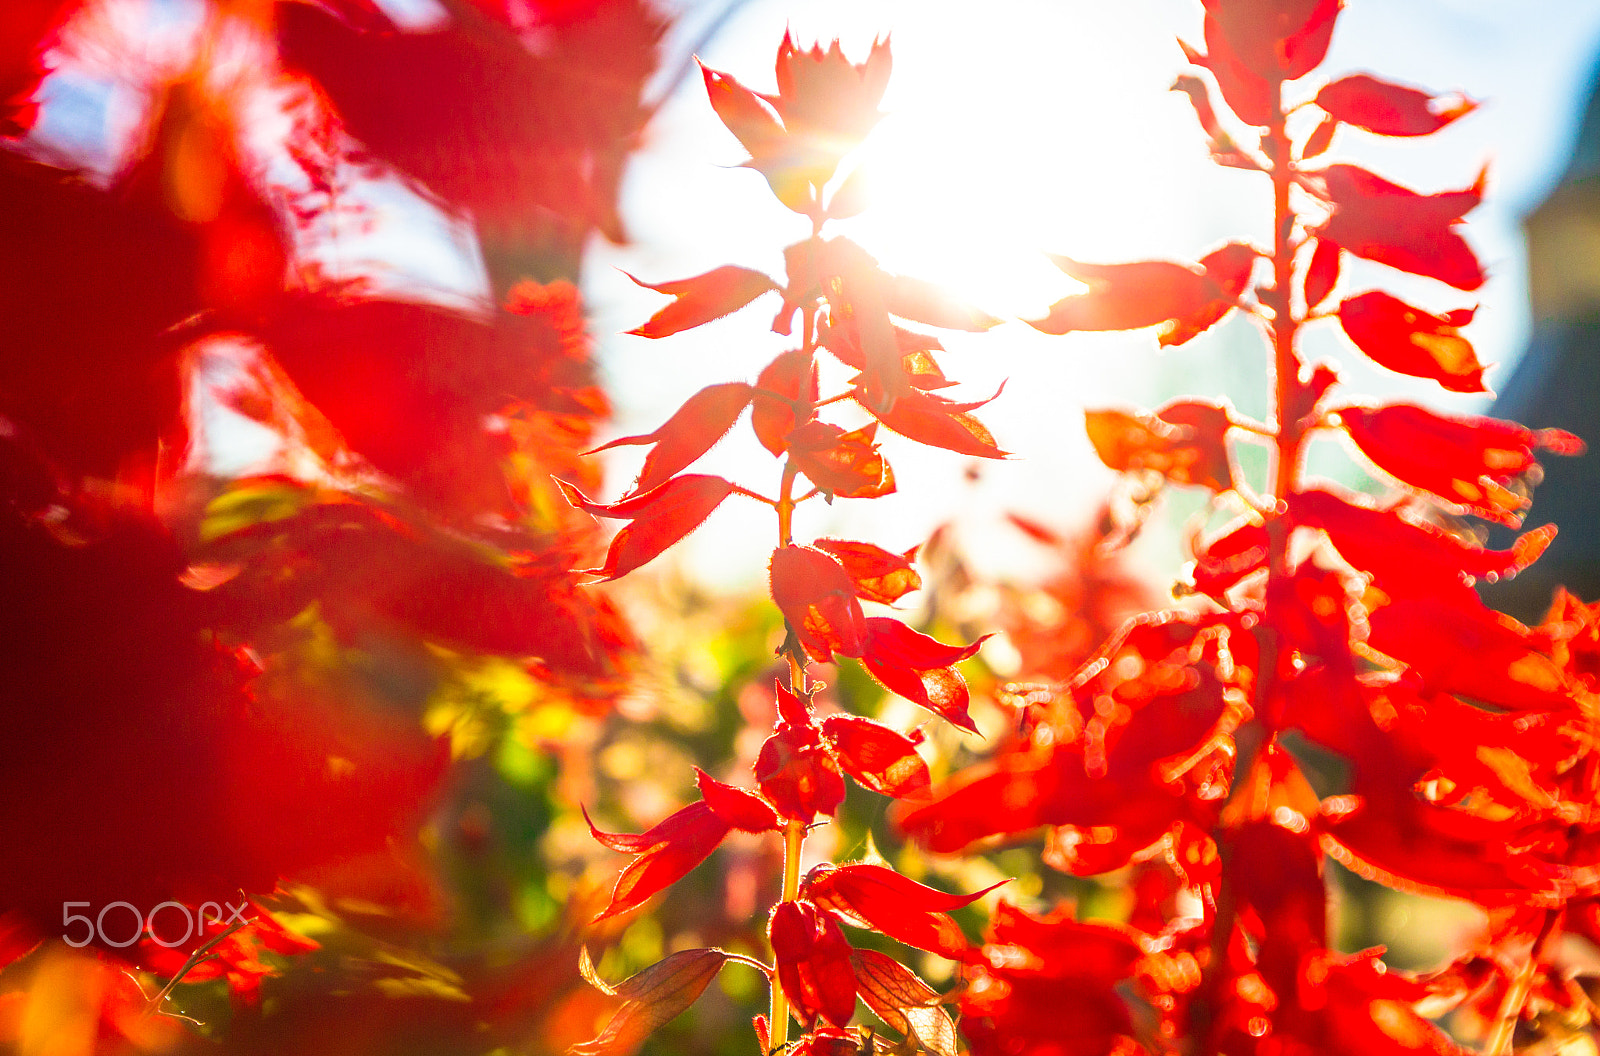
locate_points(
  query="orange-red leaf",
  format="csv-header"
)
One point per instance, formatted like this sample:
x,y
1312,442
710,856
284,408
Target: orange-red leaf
x,y
703,298
653,998
1411,341
1390,109
660,517
703,419
818,600
879,575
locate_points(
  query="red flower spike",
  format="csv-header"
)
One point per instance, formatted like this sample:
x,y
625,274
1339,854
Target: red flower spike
x,y
813,961
903,1001
1390,109
798,774
881,759
786,390
703,298
692,430
841,463
937,422
740,808
1410,341
664,853
918,668
817,598
660,518
876,897
1467,461
879,575
1393,225
1182,299
1321,273
1189,451
652,998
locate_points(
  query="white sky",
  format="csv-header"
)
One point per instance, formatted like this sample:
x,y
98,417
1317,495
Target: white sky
x,y
1020,125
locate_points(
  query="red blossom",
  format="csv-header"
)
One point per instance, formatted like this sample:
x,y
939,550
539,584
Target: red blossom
x,y
1394,225
876,897
1390,109
703,419
841,463
1185,442
1411,341
813,963
1472,462
818,599
1181,299
919,668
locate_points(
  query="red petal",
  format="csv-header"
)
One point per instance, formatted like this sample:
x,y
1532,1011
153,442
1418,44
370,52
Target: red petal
x,y
1406,557
1183,299
748,116
785,393
1468,649
918,668
798,775
1189,450
1410,341
880,576
703,298
703,419
878,897
813,963
1230,557
817,598
653,998
1466,461
1252,98
1280,40
664,854
841,463
937,422
661,517
1390,109
1394,225
1322,273
739,807
924,302
882,759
